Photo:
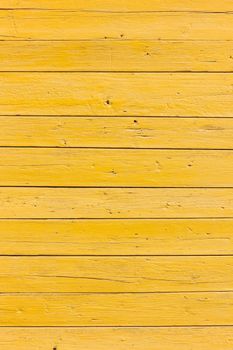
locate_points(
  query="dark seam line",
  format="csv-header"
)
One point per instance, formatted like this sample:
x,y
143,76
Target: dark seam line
x,y
73,10
118,218
57,294
119,187
115,39
110,293
125,326
116,72
136,218
108,116
119,148
127,256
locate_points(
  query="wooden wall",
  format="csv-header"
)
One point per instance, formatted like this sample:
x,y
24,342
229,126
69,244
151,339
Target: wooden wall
x,y
116,175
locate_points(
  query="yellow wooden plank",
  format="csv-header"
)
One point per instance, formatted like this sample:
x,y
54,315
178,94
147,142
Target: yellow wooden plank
x,y
209,133
127,309
107,56
115,167
117,132
116,237
120,5
139,94
116,274
92,25
100,338
23,202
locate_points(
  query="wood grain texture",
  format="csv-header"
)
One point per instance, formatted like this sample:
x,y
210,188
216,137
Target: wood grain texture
x,y
115,274
114,167
90,309
116,5
131,132
23,202
102,55
116,188
75,25
159,338
117,237
112,94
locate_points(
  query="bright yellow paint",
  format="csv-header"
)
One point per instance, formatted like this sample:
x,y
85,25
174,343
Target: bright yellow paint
x,y
114,94
117,237
116,167
23,202
99,338
216,133
135,168
127,309
121,5
116,274
100,55
75,25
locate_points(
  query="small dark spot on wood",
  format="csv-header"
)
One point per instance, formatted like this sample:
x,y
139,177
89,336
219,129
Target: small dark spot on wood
x,y
135,121
122,35
54,348
147,54
108,102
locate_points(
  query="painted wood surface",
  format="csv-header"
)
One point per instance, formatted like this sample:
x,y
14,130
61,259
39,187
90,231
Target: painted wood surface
x,y
120,309
75,25
116,175
116,274
116,5
115,168
100,55
117,237
120,338
23,202
114,94
122,132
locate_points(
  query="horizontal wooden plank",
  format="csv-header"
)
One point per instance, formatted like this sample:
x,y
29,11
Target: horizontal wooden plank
x,y
115,167
139,56
75,25
23,202
116,237
159,309
116,274
116,5
98,338
112,94
209,133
